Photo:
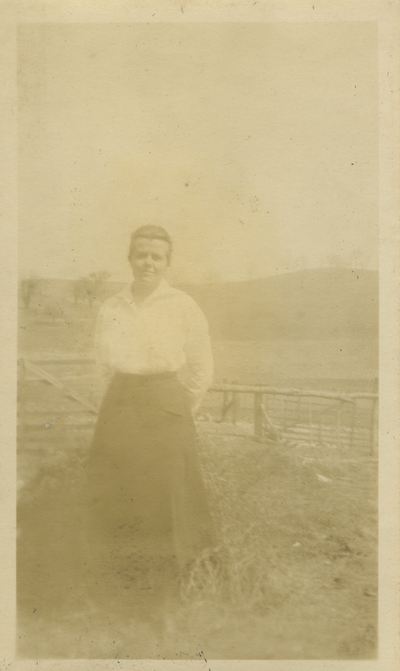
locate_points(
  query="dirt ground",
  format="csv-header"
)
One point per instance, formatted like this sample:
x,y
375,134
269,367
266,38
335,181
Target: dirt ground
x,y
295,578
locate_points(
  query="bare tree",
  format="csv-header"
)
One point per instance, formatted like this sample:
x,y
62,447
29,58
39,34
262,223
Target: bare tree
x,y
80,290
28,288
86,289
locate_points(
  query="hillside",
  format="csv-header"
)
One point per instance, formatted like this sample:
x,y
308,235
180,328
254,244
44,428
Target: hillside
x,y
307,305
331,303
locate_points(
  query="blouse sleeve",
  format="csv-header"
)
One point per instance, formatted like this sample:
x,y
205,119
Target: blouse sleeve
x,y
104,369
199,358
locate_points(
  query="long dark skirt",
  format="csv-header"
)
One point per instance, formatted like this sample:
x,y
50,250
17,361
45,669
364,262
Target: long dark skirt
x,y
144,482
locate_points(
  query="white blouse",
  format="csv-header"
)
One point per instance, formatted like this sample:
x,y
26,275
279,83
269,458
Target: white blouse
x,y
165,333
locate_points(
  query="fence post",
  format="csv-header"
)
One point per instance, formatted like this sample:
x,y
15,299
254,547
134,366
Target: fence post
x,y
234,407
228,402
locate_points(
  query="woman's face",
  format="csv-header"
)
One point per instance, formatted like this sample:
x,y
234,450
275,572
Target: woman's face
x,y
149,261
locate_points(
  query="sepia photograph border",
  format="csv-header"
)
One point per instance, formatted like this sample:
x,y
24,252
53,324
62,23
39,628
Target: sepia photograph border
x,y
386,15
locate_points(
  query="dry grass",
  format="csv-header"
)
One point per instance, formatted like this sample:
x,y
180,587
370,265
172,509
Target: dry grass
x,y
294,576
295,548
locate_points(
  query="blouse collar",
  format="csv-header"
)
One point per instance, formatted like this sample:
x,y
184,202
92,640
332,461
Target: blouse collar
x,y
162,289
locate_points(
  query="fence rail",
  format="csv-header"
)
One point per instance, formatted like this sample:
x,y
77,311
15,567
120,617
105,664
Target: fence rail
x,y
276,414
281,391
281,414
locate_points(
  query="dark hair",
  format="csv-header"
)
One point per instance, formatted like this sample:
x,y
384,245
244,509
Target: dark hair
x,y
151,232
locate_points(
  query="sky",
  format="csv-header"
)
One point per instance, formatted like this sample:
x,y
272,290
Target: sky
x,y
254,144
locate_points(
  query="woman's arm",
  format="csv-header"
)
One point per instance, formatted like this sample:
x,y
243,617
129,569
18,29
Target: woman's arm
x,y
104,369
199,358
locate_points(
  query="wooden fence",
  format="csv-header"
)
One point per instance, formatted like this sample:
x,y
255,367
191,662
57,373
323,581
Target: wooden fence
x,y
280,414
273,414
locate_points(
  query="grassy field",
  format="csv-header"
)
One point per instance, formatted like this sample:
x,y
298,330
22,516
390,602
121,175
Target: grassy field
x,y
340,364
295,577
305,326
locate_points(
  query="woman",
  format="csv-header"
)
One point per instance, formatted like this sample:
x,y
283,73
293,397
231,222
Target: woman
x,y
144,482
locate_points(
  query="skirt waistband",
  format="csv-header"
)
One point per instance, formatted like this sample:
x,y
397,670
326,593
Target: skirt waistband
x,y
153,378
